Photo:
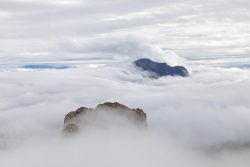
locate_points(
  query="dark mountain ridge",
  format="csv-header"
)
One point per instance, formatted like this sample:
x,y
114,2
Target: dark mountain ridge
x,y
161,69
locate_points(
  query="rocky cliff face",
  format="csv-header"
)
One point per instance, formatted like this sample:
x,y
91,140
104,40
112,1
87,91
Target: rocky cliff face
x,y
106,115
160,69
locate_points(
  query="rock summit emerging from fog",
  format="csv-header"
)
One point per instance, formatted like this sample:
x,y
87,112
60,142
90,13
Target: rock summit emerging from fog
x,y
107,115
160,69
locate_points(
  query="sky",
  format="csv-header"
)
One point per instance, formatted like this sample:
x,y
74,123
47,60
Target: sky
x,y
86,49
193,28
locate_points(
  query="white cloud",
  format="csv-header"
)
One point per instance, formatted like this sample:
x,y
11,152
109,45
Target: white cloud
x,y
101,38
191,28
206,110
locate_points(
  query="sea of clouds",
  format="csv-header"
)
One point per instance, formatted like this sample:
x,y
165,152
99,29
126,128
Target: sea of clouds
x,y
201,120
56,56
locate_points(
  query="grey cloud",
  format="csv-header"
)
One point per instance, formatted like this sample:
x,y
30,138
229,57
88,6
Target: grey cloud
x,y
101,38
189,28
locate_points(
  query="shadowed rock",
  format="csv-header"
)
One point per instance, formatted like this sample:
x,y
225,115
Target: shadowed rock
x,y
107,115
160,69
70,128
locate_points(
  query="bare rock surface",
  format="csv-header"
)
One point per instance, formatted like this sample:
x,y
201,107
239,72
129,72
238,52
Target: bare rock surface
x,y
106,115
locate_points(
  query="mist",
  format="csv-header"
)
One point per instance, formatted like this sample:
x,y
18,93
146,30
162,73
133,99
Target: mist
x,y
202,120
57,56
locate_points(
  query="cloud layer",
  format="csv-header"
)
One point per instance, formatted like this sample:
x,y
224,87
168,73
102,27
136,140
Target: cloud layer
x,y
35,29
188,118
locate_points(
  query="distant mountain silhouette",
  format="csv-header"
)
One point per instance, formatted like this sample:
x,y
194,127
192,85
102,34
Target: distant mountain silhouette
x,y
46,66
161,69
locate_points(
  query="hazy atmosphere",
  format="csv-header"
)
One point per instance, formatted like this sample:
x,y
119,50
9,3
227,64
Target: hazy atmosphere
x,y
59,55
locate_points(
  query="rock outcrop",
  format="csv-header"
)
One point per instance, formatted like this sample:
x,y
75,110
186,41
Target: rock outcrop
x,y
104,115
160,69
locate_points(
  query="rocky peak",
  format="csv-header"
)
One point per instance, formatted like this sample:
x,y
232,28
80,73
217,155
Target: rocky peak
x,y
160,69
106,114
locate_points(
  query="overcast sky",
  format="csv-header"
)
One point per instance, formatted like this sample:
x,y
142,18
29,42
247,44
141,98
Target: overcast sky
x,y
191,28
97,38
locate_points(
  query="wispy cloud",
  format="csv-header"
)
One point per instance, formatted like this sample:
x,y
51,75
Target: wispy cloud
x,y
186,116
190,28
